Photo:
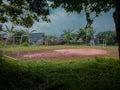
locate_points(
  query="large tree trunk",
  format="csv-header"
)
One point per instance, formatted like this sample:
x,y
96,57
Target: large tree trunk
x,y
116,16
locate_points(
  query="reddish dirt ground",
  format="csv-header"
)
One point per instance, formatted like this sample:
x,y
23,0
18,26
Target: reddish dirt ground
x,y
65,53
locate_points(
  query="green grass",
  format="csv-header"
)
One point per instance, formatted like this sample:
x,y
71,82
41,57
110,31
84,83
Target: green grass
x,y
55,74
43,47
75,74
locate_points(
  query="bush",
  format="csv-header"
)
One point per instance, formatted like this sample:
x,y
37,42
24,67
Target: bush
x,y
25,43
89,74
1,44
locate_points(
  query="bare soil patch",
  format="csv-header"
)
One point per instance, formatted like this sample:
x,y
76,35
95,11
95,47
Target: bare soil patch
x,y
64,53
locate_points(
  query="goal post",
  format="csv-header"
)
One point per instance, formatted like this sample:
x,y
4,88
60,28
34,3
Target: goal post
x,y
98,42
17,47
103,42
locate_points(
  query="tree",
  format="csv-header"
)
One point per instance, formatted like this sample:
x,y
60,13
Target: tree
x,y
67,34
0,27
10,32
116,16
109,36
86,33
28,32
23,12
73,38
92,6
50,39
18,35
81,34
89,32
25,34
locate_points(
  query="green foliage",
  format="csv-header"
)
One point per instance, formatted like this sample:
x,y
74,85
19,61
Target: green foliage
x,y
67,34
1,44
82,34
0,27
28,32
50,39
19,33
78,5
109,36
88,6
77,74
86,33
1,54
17,36
23,12
9,31
28,21
25,43
73,38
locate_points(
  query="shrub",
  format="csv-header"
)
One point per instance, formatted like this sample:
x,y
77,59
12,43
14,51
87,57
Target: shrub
x,y
25,43
1,44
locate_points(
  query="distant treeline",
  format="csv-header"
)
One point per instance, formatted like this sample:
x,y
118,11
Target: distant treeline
x,y
109,36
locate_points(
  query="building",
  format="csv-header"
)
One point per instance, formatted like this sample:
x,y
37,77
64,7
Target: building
x,y
37,38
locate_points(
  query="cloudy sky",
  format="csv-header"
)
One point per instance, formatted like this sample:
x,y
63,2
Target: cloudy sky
x,y
60,21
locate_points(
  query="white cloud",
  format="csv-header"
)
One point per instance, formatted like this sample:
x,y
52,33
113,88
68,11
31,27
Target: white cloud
x,y
60,20
104,22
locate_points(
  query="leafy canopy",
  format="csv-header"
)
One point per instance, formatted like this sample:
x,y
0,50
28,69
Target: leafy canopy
x,y
89,6
23,12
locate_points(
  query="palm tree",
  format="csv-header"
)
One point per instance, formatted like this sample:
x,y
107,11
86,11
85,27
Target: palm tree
x,y
10,32
81,34
67,35
27,34
24,34
73,38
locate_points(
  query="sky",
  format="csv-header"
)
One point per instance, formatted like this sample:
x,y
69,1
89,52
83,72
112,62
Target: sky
x,y
60,21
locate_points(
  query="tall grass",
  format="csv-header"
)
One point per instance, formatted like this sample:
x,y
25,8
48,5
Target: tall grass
x,y
75,74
